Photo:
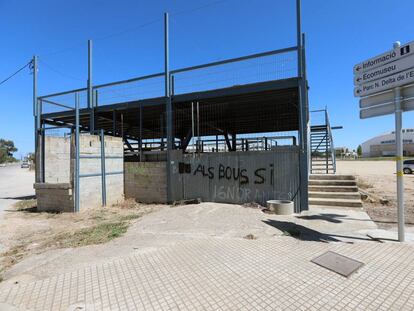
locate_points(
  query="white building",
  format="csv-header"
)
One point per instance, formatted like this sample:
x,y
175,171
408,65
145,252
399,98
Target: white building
x,y
384,145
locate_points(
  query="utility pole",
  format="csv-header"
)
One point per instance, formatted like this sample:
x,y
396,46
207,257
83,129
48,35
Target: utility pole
x,y
37,117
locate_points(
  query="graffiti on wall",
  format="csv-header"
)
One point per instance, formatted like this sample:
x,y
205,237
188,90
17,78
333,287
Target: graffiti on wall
x,y
241,184
261,175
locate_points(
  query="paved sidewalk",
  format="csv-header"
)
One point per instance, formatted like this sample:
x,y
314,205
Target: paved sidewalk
x,y
230,274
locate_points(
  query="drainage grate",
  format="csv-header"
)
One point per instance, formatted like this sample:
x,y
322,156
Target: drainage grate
x,y
338,263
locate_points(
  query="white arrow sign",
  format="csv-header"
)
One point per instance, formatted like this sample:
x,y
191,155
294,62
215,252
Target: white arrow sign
x,y
389,69
386,97
383,110
385,58
398,79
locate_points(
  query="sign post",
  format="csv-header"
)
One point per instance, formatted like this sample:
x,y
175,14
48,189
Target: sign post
x,y
386,85
399,159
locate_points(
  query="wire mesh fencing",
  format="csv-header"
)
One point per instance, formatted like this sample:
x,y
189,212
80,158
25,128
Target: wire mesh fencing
x,y
275,66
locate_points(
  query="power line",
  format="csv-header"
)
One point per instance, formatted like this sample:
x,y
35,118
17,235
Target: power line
x,y
199,7
58,71
138,27
104,37
11,76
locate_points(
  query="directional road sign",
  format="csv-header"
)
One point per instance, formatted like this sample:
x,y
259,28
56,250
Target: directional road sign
x,y
385,58
394,67
383,77
386,83
382,110
385,97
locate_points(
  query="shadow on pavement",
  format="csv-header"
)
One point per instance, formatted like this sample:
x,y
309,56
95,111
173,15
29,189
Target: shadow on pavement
x,y
306,234
26,197
300,232
327,217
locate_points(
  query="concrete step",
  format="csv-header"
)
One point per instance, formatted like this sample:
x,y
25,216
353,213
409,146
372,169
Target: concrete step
x,y
329,177
335,202
333,188
331,182
335,195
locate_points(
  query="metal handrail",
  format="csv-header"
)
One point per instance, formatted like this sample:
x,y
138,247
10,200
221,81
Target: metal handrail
x,y
328,125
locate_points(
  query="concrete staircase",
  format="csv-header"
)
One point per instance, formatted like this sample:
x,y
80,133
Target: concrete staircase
x,y
334,191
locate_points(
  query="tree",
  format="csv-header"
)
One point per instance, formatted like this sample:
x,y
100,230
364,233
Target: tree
x,y
7,149
359,151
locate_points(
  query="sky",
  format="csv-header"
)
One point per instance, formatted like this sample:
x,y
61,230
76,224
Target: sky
x,y
128,42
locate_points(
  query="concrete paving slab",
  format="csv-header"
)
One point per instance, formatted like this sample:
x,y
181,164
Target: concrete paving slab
x,y
231,274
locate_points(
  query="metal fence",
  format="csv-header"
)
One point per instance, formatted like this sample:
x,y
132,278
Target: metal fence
x,y
261,67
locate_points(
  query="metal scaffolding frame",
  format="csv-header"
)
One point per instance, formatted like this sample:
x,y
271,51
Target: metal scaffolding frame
x,y
168,75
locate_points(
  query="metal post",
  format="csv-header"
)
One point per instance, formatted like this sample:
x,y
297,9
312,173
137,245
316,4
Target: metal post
x,y
140,133
95,103
303,158
43,144
198,127
192,124
36,116
103,170
40,143
172,85
114,123
399,159
162,132
90,91
326,143
168,106
77,147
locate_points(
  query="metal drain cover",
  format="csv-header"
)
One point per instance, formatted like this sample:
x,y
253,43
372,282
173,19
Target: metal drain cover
x,y
338,263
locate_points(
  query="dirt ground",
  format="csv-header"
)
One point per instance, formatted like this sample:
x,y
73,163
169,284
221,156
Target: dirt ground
x,y
26,232
379,178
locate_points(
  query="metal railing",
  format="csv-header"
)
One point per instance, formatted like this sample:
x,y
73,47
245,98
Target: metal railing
x,y
332,147
259,67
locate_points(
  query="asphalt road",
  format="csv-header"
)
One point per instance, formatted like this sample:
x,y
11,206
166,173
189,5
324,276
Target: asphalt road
x,y
15,184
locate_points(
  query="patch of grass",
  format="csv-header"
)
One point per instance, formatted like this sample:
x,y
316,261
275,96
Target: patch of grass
x,y
129,217
99,234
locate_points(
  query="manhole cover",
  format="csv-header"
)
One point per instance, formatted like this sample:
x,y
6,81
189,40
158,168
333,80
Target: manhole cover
x,y
338,263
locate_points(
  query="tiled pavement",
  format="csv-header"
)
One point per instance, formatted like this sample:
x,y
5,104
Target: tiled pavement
x,y
230,274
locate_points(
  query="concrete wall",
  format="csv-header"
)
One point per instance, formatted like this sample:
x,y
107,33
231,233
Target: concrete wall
x,y
91,187
237,177
56,193
54,197
146,181
57,159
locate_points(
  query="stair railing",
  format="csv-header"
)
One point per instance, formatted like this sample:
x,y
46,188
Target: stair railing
x,y
332,147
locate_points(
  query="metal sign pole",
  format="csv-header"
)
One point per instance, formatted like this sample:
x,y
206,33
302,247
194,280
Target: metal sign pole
x,y
168,108
399,159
